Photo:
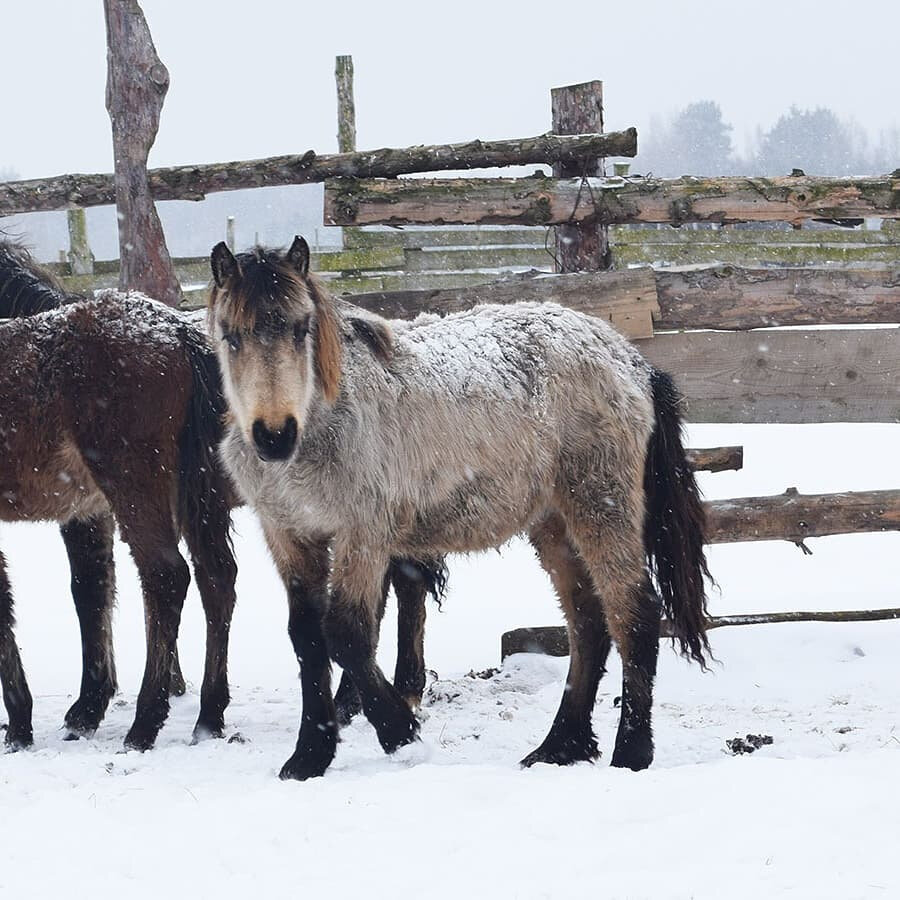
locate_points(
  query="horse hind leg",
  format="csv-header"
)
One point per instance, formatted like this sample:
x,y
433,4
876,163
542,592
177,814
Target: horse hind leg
x,y
16,696
614,556
89,545
164,578
216,571
571,738
411,586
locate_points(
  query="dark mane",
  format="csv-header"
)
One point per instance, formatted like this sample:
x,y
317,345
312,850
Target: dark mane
x,y
25,288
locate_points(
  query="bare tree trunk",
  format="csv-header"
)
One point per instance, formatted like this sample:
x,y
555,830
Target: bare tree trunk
x,y
136,87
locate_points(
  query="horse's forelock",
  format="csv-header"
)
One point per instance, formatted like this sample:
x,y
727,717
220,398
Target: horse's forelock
x,y
268,284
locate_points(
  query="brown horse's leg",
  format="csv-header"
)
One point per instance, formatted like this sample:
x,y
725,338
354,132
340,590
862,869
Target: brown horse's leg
x,y
410,587
351,627
304,570
89,545
16,695
164,578
215,571
571,737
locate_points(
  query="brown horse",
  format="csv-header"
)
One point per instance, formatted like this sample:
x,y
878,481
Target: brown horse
x,y
112,407
356,439
115,408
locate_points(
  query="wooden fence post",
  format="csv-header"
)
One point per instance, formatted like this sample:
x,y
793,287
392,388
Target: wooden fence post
x,y
136,86
229,233
343,74
578,109
81,260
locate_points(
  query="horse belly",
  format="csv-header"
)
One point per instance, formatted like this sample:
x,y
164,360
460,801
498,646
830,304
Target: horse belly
x,y
478,515
53,486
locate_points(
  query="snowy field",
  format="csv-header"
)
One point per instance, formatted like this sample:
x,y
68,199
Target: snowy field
x,y
813,815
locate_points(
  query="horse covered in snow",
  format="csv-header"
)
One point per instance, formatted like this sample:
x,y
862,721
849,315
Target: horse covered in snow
x,y
356,439
112,407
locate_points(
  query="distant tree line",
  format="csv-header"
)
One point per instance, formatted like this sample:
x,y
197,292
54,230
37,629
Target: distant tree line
x,y
698,141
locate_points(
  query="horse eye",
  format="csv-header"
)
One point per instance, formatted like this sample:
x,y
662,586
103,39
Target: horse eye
x,y
233,340
301,330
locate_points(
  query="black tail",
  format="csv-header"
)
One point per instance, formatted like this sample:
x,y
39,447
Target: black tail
x,y
204,493
433,573
25,287
674,531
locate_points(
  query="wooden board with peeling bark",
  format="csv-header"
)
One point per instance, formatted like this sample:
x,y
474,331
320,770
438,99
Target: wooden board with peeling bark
x,y
609,201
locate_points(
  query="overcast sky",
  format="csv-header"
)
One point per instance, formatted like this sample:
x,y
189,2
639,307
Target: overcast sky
x,y
256,78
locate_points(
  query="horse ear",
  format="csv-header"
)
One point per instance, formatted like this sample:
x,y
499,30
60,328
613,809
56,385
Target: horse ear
x,y
224,265
328,347
298,255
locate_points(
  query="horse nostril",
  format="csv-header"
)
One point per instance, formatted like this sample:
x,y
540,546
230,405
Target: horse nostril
x,y
290,431
275,444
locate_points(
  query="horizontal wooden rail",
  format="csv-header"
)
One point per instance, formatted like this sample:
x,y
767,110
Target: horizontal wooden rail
x,y
552,640
789,516
195,182
609,201
719,297
792,516
716,459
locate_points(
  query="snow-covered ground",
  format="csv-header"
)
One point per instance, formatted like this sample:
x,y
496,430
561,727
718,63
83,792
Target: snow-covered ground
x,y
813,815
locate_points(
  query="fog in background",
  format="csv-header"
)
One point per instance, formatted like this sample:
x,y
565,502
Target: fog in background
x,y
712,88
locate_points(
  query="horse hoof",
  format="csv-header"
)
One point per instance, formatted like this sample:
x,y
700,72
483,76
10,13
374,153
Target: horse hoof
x,y
204,732
563,753
399,734
302,766
139,739
636,755
80,721
18,739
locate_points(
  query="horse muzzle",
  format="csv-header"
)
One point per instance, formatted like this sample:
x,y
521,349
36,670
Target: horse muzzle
x,y
275,444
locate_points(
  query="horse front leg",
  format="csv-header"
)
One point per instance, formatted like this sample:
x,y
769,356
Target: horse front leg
x,y
351,626
89,546
304,570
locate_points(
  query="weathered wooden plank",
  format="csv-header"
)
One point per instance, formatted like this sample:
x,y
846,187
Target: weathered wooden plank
x,y
809,255
195,182
791,376
726,297
553,201
792,516
419,238
477,258
721,297
754,237
627,298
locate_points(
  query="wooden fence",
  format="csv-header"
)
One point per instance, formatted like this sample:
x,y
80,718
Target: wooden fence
x,y
701,323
